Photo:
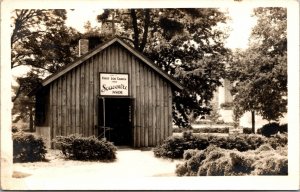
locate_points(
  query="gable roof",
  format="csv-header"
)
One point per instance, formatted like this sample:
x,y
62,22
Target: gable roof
x,y
100,48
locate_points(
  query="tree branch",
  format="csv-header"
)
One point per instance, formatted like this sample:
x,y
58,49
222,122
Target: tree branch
x,y
128,39
146,28
135,28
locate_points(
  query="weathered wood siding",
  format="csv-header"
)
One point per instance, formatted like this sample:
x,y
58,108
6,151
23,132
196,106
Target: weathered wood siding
x,y
73,98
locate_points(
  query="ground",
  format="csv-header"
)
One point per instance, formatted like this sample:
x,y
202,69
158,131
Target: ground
x,y
68,174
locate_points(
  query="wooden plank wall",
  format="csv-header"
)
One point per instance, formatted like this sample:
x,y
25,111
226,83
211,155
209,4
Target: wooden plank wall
x,y
73,98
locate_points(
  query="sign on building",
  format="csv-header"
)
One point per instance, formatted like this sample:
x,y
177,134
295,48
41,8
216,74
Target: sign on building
x,y
113,84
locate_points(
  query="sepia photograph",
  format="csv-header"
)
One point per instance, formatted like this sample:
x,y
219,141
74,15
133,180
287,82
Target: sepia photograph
x,y
150,95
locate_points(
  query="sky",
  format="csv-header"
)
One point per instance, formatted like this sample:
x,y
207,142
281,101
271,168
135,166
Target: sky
x,y
241,23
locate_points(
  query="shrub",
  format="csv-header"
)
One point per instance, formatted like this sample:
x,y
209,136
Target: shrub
x,y
28,148
203,130
174,146
227,105
14,129
270,129
215,161
283,128
247,130
278,140
86,148
212,130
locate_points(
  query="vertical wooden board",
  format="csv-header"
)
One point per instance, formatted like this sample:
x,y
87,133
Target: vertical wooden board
x,y
153,90
82,98
64,106
86,101
73,95
162,113
104,61
96,85
170,104
138,103
146,107
127,68
112,54
117,59
122,61
132,92
166,111
158,115
91,97
108,59
51,110
142,96
54,108
59,107
69,102
77,99
150,109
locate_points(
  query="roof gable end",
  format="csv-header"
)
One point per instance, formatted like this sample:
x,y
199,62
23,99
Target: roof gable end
x,y
100,48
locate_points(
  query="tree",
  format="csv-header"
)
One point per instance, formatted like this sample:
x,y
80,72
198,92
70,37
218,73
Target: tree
x,y
41,41
185,43
260,72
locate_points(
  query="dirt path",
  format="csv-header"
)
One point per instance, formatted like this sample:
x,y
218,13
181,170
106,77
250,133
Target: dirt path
x,y
67,174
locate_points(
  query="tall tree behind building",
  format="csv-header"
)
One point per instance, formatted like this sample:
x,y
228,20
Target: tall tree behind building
x,y
186,43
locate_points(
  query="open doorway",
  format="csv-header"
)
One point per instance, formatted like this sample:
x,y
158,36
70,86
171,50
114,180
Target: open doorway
x,y
115,118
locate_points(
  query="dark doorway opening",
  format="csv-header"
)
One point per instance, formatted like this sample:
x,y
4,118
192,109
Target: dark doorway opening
x,y
115,118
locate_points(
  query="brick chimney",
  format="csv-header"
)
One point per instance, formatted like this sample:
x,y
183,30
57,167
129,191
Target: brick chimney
x,y
83,46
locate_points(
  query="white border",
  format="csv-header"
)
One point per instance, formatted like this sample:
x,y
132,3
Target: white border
x,y
290,182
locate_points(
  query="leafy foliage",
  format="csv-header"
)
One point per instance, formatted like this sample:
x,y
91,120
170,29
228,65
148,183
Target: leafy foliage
x,y
247,130
85,148
174,146
270,129
40,41
260,72
215,161
203,130
28,148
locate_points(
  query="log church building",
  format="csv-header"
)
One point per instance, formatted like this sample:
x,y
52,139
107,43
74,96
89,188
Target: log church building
x,y
112,91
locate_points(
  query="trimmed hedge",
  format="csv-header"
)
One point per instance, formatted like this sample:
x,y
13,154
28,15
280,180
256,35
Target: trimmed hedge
x,y
272,129
28,148
85,148
203,130
215,161
174,146
247,130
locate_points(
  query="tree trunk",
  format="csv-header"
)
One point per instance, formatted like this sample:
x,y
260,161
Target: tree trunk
x,y
253,121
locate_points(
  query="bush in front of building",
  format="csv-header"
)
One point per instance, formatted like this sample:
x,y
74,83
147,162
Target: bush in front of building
x,y
174,146
85,148
215,161
28,148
